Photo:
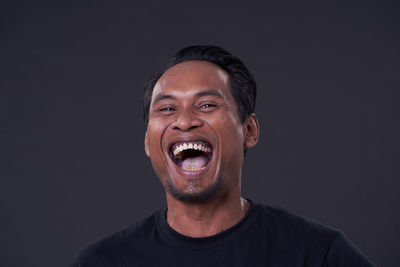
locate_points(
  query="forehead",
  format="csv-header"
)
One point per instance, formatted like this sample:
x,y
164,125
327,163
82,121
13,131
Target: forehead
x,y
192,76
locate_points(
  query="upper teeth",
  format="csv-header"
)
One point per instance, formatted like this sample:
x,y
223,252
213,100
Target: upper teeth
x,y
190,145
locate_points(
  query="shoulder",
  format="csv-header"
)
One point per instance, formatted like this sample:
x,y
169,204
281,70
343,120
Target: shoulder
x,y
306,238
343,252
290,224
112,249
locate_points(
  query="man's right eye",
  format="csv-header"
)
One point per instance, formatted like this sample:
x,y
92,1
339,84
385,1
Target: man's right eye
x,y
166,109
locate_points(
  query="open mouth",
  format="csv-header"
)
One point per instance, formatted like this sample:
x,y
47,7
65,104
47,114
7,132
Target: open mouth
x,y
191,156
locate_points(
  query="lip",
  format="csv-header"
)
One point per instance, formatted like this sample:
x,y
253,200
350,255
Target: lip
x,y
190,138
192,173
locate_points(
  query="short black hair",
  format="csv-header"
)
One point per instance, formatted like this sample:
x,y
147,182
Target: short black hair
x,y
243,84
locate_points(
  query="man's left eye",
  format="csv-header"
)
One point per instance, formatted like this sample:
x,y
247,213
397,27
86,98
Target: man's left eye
x,y
207,106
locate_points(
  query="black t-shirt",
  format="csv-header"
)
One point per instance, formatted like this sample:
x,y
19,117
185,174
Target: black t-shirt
x,y
266,236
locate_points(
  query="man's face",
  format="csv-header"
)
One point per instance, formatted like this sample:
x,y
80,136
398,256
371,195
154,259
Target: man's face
x,y
195,138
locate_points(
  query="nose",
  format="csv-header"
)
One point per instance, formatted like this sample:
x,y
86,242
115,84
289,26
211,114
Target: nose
x,y
185,121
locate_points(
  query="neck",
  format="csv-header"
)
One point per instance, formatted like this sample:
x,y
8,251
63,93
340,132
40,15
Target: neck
x,y
208,218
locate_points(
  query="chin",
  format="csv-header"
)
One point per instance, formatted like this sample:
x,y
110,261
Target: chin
x,y
193,193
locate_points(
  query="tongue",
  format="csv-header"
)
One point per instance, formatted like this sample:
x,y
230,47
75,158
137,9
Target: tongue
x,y
194,163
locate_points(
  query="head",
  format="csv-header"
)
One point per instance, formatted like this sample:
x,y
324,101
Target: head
x,y
200,118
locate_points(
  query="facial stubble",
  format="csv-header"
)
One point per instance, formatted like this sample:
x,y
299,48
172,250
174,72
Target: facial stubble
x,y
191,196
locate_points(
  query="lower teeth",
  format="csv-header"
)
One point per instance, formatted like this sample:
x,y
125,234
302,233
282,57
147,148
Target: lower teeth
x,y
194,169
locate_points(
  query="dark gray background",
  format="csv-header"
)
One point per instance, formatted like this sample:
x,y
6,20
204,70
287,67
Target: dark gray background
x,y
73,168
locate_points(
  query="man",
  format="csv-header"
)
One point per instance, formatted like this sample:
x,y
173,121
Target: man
x,y
200,122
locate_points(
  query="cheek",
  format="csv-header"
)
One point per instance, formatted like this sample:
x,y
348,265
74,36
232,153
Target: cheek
x,y
155,130
232,127
153,137
155,133
231,137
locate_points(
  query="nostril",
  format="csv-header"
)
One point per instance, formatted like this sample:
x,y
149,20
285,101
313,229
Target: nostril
x,y
184,127
186,122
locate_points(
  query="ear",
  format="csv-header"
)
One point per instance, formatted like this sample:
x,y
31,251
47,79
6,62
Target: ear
x,y
252,130
146,145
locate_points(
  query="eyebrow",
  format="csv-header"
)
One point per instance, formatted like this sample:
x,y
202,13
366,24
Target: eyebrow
x,y
161,97
211,92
